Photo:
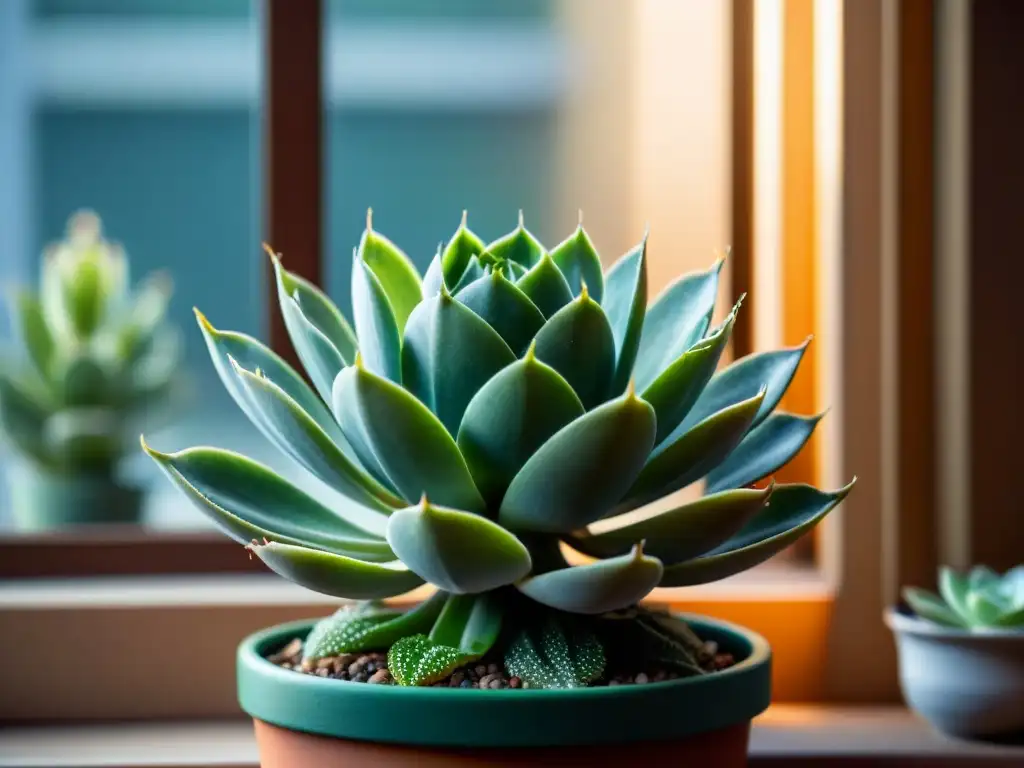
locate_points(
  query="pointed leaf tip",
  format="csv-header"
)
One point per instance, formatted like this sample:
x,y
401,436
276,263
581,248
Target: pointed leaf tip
x,y
204,323
369,219
579,221
465,217
274,255
521,224
531,352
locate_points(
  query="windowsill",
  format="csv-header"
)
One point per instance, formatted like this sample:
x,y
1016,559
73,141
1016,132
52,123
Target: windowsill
x,y
193,624
786,735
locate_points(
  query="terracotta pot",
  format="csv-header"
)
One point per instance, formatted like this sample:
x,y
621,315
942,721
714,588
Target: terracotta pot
x,y
302,720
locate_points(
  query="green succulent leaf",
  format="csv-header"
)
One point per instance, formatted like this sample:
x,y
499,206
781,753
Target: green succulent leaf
x,y
675,322
577,342
505,308
930,606
582,470
666,641
83,381
772,371
159,365
145,314
983,578
984,611
516,270
35,333
607,585
460,552
298,436
675,465
250,501
1012,585
86,439
473,272
509,418
319,310
545,286
380,340
394,271
418,660
448,354
792,511
470,623
577,257
954,590
434,277
675,390
766,449
681,533
413,446
22,416
555,654
369,627
334,574
625,302
250,354
462,247
85,296
319,356
1012,618
315,335
519,247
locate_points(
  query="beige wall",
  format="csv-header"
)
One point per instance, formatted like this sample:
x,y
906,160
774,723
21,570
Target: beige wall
x,y
646,129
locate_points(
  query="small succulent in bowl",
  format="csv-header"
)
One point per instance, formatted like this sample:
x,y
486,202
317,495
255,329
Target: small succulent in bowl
x,y
513,405
98,362
977,600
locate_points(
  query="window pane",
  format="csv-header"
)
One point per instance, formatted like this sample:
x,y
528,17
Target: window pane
x,y
147,114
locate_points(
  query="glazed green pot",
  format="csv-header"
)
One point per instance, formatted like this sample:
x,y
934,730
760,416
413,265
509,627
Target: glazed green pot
x,y
42,500
303,720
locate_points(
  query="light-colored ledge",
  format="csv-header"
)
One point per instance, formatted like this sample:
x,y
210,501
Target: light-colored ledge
x,y
179,635
799,736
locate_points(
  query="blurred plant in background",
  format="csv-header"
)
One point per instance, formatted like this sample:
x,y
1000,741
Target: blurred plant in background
x,y
97,363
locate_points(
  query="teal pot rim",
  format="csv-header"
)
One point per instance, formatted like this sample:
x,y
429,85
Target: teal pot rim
x,y
902,622
430,716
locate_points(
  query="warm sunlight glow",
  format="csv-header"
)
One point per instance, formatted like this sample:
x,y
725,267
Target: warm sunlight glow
x,y
828,121
768,26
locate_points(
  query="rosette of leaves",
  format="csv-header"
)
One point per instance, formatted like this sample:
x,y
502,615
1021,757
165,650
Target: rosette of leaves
x,y
477,421
977,600
98,360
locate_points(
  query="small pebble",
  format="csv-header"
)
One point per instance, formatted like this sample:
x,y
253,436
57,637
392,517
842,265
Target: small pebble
x,y
324,663
466,684
480,670
355,668
380,676
494,684
323,672
457,678
485,681
641,679
493,669
515,682
613,683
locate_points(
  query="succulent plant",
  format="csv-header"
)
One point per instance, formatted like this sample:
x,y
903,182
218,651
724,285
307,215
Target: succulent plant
x,y
979,599
100,360
477,422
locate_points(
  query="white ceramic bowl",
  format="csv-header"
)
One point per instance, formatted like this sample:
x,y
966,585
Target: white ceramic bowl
x,y
968,684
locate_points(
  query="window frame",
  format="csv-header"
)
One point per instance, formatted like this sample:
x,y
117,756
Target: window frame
x,y
830,641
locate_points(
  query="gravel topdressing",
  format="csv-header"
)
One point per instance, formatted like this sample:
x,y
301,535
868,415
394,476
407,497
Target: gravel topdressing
x,y
373,668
